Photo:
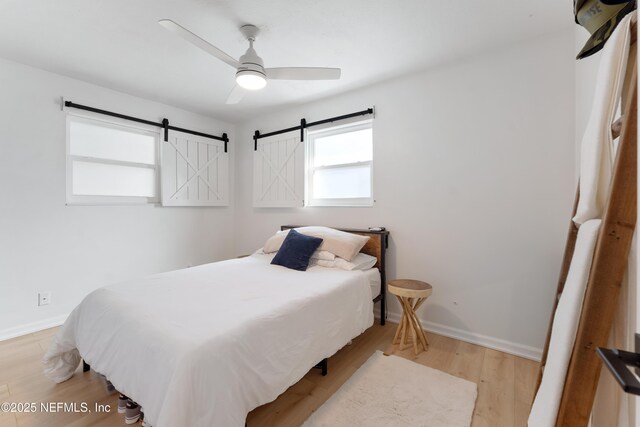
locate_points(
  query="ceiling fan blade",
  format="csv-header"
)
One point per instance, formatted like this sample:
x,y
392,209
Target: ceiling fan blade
x,y
303,73
202,44
236,95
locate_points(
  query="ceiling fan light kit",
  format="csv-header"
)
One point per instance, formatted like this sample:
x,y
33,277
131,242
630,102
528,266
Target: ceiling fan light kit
x,y
251,74
250,71
251,80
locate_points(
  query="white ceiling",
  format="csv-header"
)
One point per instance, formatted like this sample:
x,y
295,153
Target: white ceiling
x,y
118,43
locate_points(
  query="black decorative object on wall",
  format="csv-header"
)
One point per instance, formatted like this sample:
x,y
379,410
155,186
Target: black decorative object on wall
x,y
618,362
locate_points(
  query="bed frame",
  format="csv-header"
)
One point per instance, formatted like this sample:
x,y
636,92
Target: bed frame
x,y
376,246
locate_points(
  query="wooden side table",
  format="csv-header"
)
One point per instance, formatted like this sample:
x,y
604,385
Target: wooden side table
x,y
411,294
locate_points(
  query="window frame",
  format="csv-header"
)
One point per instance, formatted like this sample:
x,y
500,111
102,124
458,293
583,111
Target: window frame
x,y
310,137
114,123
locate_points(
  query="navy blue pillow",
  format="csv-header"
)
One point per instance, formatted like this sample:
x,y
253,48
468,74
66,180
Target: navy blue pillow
x,y
296,251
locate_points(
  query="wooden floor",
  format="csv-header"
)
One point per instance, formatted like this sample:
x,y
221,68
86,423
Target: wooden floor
x,y
505,382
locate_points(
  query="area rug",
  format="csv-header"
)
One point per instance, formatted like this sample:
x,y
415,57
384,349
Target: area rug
x,y
392,391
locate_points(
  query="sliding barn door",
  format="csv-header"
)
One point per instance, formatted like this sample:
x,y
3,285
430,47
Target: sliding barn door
x,y
278,172
195,171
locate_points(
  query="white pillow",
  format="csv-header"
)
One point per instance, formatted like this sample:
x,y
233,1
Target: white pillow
x,y
342,244
323,255
360,262
274,242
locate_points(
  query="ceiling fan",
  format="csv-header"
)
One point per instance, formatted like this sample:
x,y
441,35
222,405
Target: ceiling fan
x,y
250,71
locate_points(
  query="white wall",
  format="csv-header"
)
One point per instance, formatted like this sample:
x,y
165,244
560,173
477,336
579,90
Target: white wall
x,y
46,246
473,176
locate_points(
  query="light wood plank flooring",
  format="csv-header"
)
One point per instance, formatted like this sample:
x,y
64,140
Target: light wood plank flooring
x,y
505,382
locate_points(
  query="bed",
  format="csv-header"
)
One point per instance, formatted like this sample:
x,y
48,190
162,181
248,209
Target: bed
x,y
206,345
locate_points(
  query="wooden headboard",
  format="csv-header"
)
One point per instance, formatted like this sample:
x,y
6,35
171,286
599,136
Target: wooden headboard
x,y
376,246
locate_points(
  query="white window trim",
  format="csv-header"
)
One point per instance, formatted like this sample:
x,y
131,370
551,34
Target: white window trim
x,y
310,136
80,200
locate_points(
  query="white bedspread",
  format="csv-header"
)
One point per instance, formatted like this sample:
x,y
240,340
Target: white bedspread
x,y
206,345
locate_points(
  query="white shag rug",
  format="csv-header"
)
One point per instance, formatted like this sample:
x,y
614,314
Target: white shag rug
x,y
392,391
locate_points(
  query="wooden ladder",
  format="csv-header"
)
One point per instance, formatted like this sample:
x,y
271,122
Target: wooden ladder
x,y
608,266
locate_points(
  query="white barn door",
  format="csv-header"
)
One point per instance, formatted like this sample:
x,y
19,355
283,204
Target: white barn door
x,y
278,172
194,171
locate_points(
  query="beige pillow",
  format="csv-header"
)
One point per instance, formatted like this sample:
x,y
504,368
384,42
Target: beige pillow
x,y
274,242
342,244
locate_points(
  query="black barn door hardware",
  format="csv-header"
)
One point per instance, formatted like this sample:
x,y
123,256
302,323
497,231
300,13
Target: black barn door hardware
x,y
303,125
164,124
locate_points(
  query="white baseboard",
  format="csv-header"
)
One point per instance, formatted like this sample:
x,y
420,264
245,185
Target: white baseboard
x,y
29,328
516,349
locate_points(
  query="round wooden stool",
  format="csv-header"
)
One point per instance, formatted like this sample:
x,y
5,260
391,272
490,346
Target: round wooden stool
x,y
411,294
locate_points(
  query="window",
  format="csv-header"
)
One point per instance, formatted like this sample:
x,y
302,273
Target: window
x,y
339,166
110,163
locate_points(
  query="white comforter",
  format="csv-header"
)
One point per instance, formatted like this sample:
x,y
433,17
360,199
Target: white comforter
x,y
206,345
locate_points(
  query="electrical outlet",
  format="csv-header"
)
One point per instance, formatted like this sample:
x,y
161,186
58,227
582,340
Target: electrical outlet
x,y
44,298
